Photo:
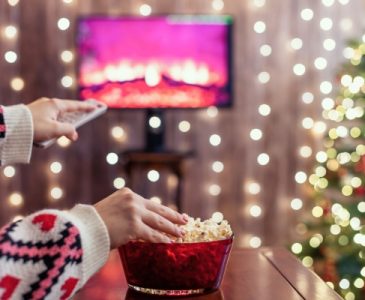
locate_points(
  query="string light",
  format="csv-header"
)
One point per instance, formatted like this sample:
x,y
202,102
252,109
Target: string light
x,y
252,187
67,1
118,133
346,24
307,123
307,14
256,134
153,175
259,3
17,84
264,110
307,261
255,242
112,158
63,142
263,159
259,27
305,151
184,126
326,24
9,171
212,111
16,199
154,122
265,50
348,52
63,24
10,57
13,2
329,44
217,217
307,97
263,77
344,2
217,166
55,167
296,204
145,10
325,87
320,63
296,43
67,81
214,189
119,183
56,193
215,140
255,211
344,283
297,248
299,69
218,5
156,199
328,3
328,103
300,177
67,56
10,31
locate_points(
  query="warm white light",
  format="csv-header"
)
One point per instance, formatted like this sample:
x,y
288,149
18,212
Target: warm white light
x,y
13,2
329,44
328,103
255,242
63,141
335,229
119,183
346,24
361,207
215,139
56,193
259,27
153,175
305,151
67,56
256,134
214,189
10,57
307,14
307,123
118,133
17,84
321,156
319,127
263,159
55,167
255,211
145,10
154,122
344,283
217,217
16,199
112,158
317,211
63,24
326,24
265,50
217,166
297,248
184,126
263,77
10,31
307,97
212,111
67,81
328,3
296,204
300,177
325,87
320,63
299,69
348,52
359,283
218,5
259,3
307,261
344,2
252,187
264,109
9,171
296,43
67,1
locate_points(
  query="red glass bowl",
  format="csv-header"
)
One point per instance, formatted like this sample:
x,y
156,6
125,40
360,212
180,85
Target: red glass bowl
x,y
176,269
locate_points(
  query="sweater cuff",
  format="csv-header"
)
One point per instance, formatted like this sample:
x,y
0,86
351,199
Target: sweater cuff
x,y
19,135
94,238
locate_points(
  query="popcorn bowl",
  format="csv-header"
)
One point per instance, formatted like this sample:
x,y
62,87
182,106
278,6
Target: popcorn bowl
x,y
175,269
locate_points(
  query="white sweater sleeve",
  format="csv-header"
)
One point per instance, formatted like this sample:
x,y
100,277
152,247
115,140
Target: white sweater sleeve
x,y
16,144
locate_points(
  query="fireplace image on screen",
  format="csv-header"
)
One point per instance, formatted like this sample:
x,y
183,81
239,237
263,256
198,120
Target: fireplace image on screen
x,y
155,62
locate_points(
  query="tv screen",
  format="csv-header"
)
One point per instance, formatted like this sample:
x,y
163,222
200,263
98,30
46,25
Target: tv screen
x,y
171,61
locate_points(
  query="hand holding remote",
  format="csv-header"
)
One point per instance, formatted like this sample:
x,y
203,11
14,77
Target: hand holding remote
x,y
53,118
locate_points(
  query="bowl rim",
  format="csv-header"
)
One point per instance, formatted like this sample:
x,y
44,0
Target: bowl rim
x,y
182,243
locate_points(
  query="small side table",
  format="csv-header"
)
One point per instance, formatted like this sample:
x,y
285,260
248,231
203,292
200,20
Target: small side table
x,y
169,160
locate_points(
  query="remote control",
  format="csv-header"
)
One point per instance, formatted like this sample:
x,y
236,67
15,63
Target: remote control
x,y
77,119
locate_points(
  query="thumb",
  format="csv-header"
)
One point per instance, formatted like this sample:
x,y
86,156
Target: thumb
x,y
67,130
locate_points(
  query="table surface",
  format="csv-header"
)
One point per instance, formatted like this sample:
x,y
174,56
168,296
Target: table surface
x,y
265,274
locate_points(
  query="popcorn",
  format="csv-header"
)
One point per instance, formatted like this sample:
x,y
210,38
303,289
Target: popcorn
x,y
205,231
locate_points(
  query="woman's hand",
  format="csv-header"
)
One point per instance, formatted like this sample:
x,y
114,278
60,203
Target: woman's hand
x,y
45,112
128,217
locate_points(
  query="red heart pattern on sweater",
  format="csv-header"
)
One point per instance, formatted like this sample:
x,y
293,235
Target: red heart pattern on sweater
x,y
47,221
68,287
9,284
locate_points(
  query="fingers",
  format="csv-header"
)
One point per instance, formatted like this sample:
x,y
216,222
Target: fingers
x,y
65,129
161,224
166,212
73,105
149,234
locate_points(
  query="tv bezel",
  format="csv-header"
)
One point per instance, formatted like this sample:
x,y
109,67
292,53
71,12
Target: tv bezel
x,y
229,87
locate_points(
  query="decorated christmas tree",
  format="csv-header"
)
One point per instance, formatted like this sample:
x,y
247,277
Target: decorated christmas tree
x,y
334,243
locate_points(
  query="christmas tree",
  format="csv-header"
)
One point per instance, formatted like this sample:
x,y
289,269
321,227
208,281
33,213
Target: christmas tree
x,y
334,243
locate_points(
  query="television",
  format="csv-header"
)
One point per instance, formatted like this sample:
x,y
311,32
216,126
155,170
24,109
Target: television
x,y
155,62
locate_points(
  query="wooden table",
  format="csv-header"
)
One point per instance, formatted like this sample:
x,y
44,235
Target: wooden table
x,y
252,274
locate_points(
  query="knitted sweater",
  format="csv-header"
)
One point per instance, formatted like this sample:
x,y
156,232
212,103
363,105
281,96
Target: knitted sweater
x,y
49,254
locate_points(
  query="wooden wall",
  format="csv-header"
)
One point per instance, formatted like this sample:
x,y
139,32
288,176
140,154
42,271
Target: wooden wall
x,y
86,177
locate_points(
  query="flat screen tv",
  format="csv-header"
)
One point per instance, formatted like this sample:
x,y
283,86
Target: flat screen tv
x,y
168,61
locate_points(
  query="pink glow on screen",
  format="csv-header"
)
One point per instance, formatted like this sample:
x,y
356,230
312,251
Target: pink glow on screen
x,y
167,61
